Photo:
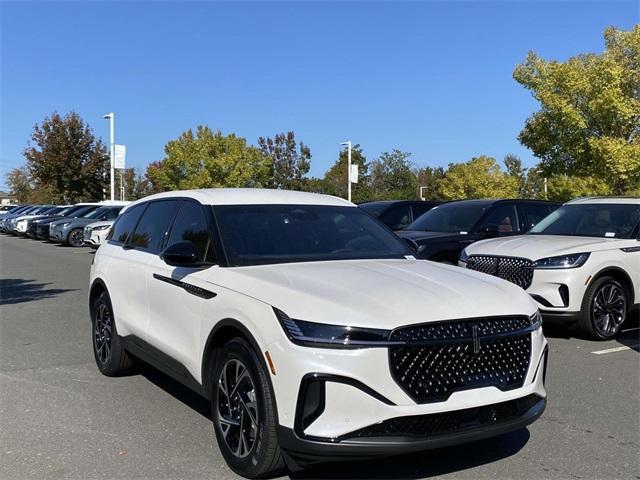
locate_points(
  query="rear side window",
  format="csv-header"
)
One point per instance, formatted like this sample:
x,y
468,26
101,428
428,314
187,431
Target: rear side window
x,y
191,225
125,224
152,227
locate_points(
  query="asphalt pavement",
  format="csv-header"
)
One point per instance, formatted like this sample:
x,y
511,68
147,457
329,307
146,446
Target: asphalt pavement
x,y
60,418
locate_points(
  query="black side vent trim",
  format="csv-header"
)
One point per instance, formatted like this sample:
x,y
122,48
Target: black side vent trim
x,y
187,287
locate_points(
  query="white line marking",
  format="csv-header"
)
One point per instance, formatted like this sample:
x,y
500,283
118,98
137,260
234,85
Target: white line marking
x,y
616,349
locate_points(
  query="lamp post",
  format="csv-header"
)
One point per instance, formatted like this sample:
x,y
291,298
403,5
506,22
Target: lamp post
x,y
546,197
348,144
111,117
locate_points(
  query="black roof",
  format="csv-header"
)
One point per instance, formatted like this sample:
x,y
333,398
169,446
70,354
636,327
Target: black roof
x,y
383,203
492,201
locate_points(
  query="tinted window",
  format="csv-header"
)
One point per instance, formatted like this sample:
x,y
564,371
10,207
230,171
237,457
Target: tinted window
x,y
125,224
420,208
591,220
191,225
502,219
533,213
153,225
112,213
263,234
397,217
450,217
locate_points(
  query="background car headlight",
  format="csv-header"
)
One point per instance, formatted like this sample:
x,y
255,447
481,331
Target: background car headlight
x,y
464,257
331,336
563,261
101,227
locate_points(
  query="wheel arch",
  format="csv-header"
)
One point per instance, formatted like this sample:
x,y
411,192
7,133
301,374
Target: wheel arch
x,y
221,333
97,287
621,276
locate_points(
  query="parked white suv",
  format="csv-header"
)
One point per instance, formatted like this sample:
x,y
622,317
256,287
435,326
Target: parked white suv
x,y
312,328
581,264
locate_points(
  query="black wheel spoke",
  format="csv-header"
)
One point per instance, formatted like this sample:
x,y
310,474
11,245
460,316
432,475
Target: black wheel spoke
x,y
608,309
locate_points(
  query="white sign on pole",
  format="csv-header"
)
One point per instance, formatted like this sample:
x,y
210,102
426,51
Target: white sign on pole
x,y
119,154
354,173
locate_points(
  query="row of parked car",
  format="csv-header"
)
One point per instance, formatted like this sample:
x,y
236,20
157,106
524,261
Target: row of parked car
x,y
579,261
72,225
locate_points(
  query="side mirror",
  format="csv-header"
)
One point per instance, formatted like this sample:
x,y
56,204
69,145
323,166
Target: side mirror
x,y
181,254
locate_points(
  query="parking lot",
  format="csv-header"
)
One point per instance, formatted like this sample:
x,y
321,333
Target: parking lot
x,y
61,419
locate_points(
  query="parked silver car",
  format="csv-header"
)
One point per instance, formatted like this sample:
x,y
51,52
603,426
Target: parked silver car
x,y
70,231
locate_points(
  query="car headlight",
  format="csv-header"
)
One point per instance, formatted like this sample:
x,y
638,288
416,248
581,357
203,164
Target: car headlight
x,y
101,227
464,257
563,261
313,334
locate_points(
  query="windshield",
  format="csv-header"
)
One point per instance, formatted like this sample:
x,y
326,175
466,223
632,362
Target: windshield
x,y
606,220
264,234
450,218
95,213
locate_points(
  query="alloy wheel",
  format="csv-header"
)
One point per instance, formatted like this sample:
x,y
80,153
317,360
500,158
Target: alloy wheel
x,y
76,238
237,414
609,309
102,333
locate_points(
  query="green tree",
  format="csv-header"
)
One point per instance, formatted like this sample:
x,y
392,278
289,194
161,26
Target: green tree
x,y
19,183
335,179
66,159
562,188
481,177
208,159
514,168
290,161
589,120
392,177
430,182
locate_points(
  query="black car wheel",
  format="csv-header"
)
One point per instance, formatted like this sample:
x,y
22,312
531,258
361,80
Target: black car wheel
x,y
604,308
111,358
76,237
244,412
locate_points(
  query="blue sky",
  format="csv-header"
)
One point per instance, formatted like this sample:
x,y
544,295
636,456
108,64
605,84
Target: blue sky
x,y
431,78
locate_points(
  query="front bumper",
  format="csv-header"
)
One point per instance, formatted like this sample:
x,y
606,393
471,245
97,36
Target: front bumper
x,y
360,392
57,233
94,238
301,452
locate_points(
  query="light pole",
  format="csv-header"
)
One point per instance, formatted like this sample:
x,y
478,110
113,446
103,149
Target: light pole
x,y
111,117
348,144
546,197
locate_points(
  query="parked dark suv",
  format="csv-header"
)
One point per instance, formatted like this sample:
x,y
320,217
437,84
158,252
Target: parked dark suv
x,y
442,232
397,214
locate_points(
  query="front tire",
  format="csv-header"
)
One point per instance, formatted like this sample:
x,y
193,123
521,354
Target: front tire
x,y
604,308
75,238
244,412
111,358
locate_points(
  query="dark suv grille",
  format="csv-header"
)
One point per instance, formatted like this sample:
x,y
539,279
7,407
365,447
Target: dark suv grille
x,y
435,360
514,269
420,426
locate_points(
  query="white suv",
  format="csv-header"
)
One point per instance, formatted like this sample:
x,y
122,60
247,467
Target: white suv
x,y
581,264
312,328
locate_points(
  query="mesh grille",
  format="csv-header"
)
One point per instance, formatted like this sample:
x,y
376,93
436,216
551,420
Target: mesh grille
x,y
458,361
420,426
515,270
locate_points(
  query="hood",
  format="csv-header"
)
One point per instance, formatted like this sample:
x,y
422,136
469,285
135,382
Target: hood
x,y
535,247
376,293
422,236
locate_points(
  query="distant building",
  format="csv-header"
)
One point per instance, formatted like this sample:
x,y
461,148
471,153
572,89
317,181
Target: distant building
x,y
6,198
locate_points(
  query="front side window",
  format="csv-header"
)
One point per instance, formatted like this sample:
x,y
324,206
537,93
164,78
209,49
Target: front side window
x,y
191,226
150,231
449,218
501,219
605,220
267,234
534,212
397,217
125,224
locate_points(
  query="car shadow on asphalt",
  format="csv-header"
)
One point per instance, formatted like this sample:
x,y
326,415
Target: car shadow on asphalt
x,y
411,466
19,290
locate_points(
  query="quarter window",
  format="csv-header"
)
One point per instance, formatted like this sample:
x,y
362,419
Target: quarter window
x,y
152,227
191,225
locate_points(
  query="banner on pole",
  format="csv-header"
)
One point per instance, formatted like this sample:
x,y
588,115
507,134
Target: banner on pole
x,y
354,173
119,154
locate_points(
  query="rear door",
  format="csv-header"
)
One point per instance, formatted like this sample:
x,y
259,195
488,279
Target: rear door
x,y
177,294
